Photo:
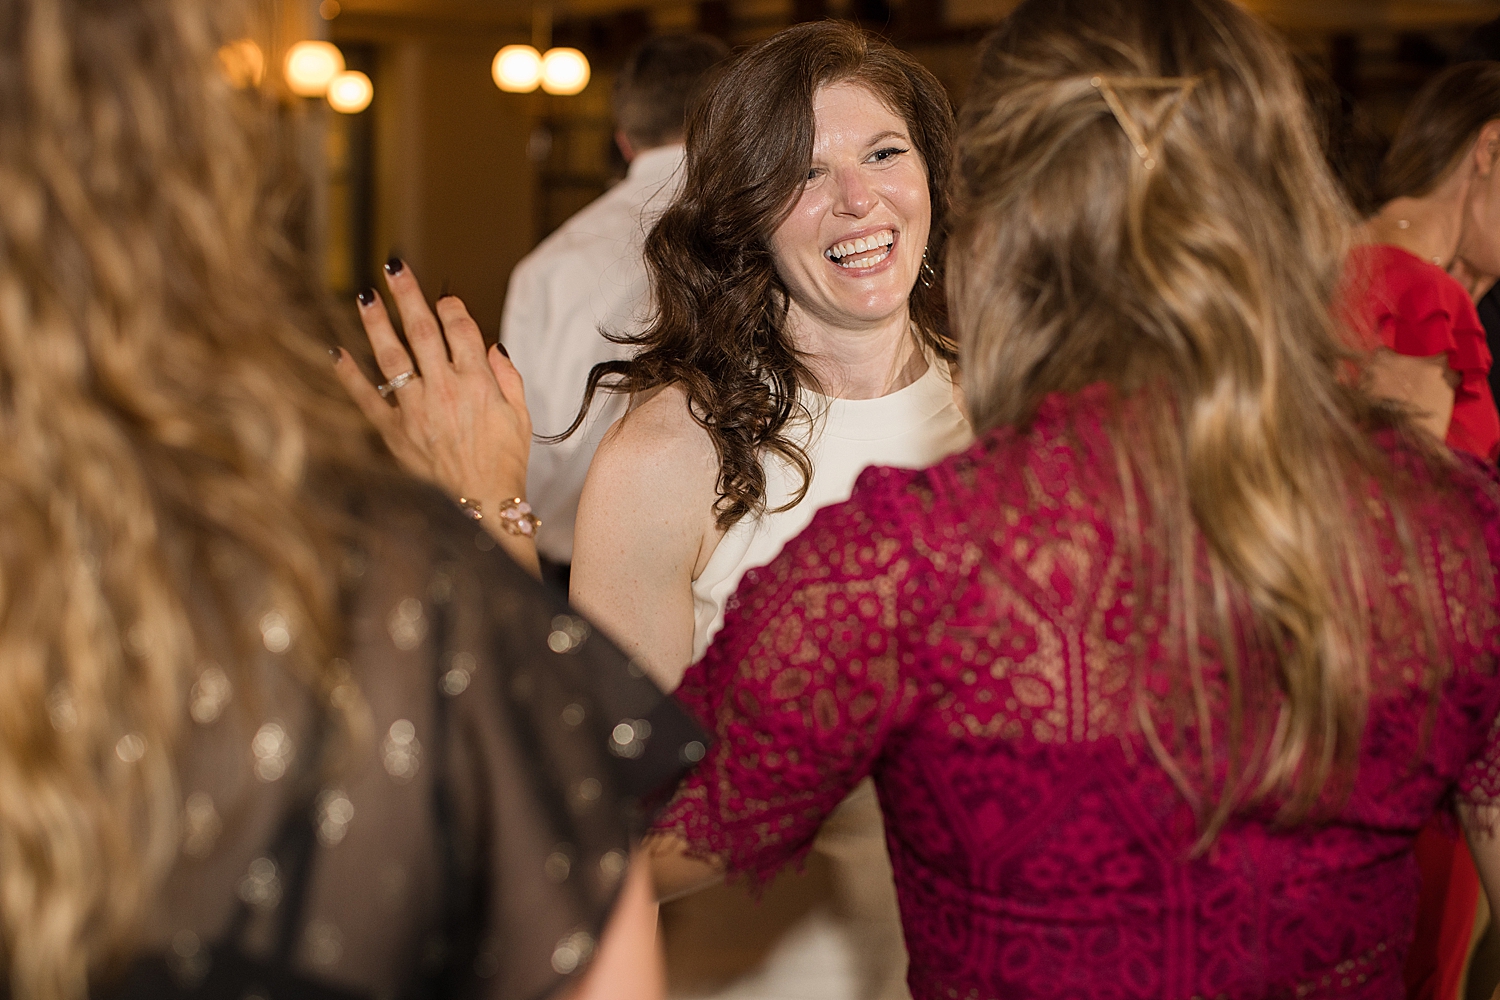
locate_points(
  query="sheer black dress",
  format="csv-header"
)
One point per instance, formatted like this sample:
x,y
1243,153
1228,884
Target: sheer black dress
x,y
471,845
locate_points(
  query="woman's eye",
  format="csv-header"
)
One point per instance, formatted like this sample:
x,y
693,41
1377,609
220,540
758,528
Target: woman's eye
x,y
889,153
812,173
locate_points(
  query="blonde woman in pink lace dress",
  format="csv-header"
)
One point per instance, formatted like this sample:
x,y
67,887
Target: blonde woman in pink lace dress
x,y
1159,679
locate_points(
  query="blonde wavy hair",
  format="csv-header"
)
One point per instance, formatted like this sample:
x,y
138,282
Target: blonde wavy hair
x,y
1144,203
162,407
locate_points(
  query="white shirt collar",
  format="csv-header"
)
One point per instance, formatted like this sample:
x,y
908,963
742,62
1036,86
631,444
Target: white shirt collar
x,y
657,164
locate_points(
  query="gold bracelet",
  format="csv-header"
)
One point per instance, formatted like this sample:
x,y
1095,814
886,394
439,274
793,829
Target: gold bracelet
x,y
517,519
515,515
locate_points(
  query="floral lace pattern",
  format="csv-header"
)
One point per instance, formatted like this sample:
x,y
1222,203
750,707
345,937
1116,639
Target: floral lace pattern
x,y
974,636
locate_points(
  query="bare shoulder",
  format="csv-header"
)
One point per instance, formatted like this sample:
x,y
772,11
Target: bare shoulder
x,y
654,479
658,437
645,526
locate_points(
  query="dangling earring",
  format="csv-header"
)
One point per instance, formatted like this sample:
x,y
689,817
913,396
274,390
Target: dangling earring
x,y
926,274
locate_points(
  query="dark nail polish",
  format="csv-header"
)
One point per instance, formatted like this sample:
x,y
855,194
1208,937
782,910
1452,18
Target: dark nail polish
x,y
502,348
335,354
366,297
394,266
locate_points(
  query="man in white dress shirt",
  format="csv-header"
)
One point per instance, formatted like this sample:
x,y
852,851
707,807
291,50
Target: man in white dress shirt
x,y
588,279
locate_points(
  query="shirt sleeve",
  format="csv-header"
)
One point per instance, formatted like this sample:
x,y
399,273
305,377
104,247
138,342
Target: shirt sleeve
x,y
1475,427
1422,331
808,682
1432,314
557,751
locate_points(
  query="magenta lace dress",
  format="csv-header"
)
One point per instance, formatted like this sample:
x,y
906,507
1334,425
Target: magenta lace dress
x,y
974,636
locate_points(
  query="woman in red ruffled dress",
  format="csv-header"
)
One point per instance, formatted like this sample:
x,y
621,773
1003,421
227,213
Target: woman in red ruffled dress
x,y
1440,186
1441,191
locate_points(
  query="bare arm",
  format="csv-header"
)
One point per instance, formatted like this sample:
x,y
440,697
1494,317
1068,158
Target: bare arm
x,y
628,965
1480,827
1423,385
645,528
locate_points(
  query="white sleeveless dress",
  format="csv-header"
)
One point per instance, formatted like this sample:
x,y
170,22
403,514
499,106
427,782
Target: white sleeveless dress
x,y
831,932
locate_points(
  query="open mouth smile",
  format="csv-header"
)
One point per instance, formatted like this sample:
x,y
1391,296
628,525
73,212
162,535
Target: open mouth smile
x,y
866,251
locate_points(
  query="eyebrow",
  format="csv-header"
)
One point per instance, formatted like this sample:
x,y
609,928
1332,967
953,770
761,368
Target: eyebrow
x,y
888,134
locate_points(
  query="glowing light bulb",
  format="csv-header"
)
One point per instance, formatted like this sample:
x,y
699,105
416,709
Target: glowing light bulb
x,y
350,92
564,71
311,66
517,69
243,63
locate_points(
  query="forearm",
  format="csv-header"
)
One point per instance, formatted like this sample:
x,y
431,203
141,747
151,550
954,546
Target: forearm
x,y
519,548
628,964
1422,385
499,508
1479,824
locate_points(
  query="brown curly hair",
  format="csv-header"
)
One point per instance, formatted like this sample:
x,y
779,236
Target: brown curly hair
x,y
718,328
164,410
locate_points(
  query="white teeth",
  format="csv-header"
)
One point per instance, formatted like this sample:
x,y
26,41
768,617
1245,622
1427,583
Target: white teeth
x,y
864,244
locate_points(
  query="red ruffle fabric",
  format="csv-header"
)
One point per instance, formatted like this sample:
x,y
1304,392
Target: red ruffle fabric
x,y
1416,308
978,638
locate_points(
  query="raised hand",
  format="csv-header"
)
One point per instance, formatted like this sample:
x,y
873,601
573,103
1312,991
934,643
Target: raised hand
x,y
459,417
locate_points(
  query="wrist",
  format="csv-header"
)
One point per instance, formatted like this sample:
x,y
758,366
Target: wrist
x,y
511,515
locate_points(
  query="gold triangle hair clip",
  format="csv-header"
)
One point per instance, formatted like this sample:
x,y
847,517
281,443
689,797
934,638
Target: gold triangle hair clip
x,y
1107,86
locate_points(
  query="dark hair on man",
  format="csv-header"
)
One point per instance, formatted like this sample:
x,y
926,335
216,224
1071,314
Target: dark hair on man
x,y
1483,43
656,84
1439,128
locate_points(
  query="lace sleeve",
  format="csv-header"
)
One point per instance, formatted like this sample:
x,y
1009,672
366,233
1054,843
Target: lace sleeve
x,y
557,746
806,684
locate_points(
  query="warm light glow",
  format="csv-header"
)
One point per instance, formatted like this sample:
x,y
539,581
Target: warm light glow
x,y
350,92
243,63
517,69
564,71
329,9
311,66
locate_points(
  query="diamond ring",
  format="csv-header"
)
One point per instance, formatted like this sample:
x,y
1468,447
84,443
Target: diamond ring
x,y
386,388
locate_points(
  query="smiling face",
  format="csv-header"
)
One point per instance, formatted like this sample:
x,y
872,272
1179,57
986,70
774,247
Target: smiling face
x,y
851,249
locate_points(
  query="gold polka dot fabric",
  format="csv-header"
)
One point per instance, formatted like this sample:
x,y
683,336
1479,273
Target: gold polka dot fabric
x,y
466,837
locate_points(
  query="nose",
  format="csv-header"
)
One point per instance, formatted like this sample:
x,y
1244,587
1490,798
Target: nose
x,y
856,197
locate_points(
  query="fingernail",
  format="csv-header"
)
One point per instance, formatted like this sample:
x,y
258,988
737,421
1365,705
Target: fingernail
x,y
394,266
335,354
366,297
502,348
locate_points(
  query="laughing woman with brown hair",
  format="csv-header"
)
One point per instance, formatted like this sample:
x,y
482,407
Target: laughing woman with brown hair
x,y
270,722
798,335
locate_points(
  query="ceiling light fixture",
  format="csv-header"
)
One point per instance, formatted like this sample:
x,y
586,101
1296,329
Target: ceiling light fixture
x,y
519,69
350,92
564,71
311,66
